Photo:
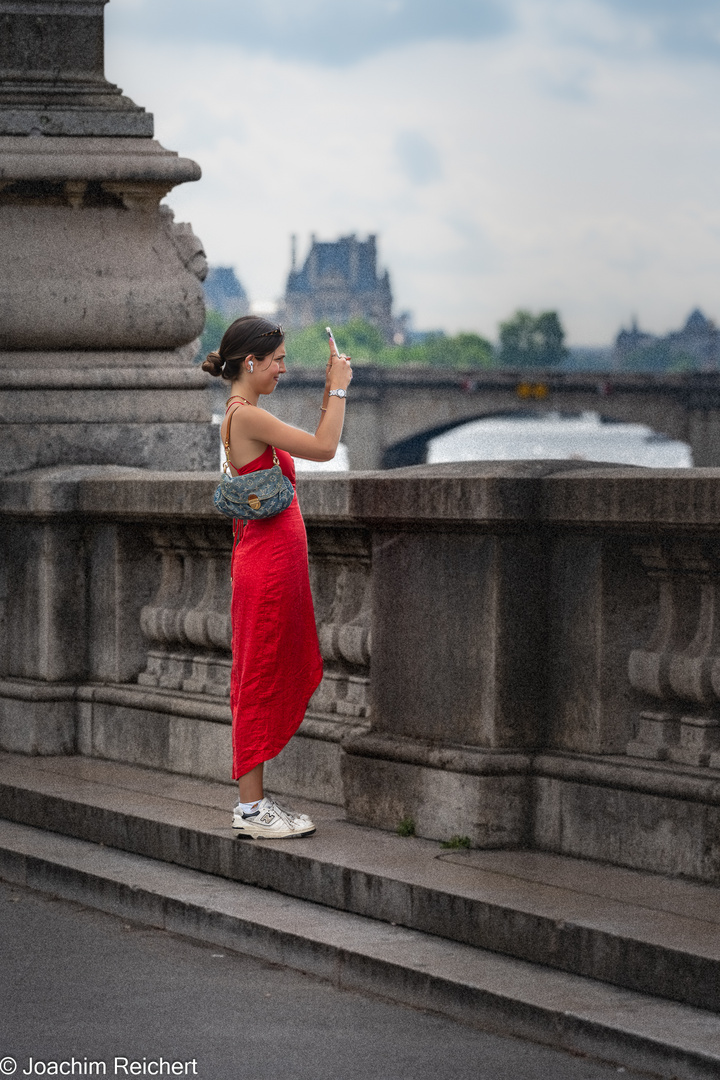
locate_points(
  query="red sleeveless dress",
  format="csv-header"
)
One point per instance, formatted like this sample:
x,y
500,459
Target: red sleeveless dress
x,y
276,661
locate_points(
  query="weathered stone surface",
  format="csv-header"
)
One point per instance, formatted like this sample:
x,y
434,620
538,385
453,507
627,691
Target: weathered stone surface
x,y
166,446
661,833
98,276
458,627
51,73
95,273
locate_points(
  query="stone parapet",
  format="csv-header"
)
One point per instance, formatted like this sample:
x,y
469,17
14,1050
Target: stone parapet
x,y
519,653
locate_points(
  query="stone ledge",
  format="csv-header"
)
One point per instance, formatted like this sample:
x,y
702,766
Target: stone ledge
x,y
673,781
515,494
87,158
38,365
122,403
92,378
472,760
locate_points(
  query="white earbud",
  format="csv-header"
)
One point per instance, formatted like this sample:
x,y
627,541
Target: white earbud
x,y
250,366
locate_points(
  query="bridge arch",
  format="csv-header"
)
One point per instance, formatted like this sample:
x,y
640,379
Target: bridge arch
x,y
413,449
392,413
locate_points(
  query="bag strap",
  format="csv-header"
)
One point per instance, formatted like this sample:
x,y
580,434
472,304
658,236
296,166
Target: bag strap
x,y
227,463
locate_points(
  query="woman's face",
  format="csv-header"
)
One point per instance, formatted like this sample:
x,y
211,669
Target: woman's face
x,y
269,370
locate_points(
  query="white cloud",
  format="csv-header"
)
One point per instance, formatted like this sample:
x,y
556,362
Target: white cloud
x,y
331,33
570,164
419,159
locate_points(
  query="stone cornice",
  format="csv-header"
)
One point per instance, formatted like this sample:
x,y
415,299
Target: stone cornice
x,y
92,159
553,494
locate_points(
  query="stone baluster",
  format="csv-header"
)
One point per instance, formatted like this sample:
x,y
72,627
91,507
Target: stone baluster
x,y
690,671
187,623
678,663
649,668
344,635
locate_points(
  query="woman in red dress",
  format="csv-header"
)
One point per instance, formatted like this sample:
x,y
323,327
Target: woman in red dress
x,y
276,662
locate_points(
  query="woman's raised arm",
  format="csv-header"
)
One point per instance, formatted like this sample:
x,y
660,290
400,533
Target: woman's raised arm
x,y
261,426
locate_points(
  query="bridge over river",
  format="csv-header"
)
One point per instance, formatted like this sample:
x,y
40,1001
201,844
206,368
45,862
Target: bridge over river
x,y
393,412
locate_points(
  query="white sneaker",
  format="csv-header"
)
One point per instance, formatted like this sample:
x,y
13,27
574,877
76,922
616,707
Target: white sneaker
x,y
303,818
269,820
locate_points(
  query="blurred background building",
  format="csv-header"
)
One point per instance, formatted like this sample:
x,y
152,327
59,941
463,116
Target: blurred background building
x,y
225,294
339,281
695,347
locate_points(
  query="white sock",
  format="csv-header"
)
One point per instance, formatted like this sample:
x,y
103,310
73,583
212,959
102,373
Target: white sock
x,y
248,807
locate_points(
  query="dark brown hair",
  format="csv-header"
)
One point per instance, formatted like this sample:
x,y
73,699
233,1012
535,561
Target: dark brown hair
x,y
248,336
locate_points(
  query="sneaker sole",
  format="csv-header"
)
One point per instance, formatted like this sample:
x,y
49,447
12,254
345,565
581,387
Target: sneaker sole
x,y
257,834
298,835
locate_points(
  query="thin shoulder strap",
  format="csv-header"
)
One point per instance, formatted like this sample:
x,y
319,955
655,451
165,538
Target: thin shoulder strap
x,y
227,463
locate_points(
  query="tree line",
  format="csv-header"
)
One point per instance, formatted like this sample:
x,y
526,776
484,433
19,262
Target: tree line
x,y
525,341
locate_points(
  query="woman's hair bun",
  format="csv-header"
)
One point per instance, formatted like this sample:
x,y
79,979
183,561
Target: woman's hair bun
x,y
213,364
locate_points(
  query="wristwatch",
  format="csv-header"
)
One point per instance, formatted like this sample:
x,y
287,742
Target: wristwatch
x,y
337,393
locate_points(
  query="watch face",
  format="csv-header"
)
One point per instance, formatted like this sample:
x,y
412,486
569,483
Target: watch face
x,y
341,393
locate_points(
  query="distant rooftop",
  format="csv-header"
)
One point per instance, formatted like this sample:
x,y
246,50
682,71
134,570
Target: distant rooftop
x,y
339,281
225,293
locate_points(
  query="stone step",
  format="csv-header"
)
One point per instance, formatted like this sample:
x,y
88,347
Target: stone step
x,y
471,985
638,931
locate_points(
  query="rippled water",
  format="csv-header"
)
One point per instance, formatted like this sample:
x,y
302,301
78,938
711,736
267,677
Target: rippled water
x,y
585,437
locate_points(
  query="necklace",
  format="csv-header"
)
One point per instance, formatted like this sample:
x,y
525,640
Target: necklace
x,y
237,397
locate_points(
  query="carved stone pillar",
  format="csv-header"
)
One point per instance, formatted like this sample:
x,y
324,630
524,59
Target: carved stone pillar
x,y
681,662
458,631
100,291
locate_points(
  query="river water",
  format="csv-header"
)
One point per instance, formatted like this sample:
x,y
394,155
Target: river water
x,y
586,437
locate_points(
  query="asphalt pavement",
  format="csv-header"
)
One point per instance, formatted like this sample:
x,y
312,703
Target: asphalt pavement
x,y
87,994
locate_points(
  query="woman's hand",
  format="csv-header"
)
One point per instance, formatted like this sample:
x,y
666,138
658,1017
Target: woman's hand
x,y
339,372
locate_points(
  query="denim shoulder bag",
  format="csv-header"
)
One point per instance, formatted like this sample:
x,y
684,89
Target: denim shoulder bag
x,y
255,495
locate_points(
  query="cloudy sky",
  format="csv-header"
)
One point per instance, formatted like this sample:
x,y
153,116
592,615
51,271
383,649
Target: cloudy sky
x,y
508,153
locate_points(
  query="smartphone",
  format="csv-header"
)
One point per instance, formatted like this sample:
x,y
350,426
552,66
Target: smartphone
x,y
331,339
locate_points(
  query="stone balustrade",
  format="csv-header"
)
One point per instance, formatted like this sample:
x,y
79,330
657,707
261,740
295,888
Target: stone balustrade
x,y
680,665
520,653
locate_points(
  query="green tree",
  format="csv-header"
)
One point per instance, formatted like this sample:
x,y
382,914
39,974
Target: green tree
x,y
528,340
465,350
359,338
308,347
364,343
356,338
215,326
462,351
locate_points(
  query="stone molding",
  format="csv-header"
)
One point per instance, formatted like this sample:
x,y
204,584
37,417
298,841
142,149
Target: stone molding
x,y
90,159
